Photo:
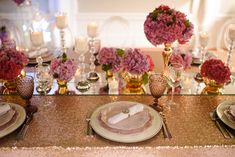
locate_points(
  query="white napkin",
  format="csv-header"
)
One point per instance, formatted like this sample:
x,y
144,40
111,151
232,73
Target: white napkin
x,y
123,115
4,108
232,110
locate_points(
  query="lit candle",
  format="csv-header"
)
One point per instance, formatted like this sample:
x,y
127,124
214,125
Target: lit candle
x,y
61,21
81,44
203,38
231,31
36,38
113,86
92,29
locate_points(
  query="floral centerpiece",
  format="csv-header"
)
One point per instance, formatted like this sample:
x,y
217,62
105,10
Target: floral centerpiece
x,y
110,59
11,64
136,66
215,74
63,69
5,39
183,59
165,25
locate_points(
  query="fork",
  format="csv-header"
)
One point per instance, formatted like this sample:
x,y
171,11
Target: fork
x,y
90,131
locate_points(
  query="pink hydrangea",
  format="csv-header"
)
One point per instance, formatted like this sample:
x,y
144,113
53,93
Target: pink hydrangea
x,y
63,70
135,62
183,59
11,63
110,56
166,25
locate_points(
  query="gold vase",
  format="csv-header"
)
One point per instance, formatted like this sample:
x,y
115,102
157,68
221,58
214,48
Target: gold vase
x,y
166,55
109,74
134,83
10,86
212,87
62,87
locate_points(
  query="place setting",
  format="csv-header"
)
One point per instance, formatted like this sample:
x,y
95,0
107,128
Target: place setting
x,y
224,117
125,121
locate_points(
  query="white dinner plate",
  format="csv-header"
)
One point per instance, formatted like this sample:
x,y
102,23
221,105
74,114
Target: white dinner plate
x,y
148,133
17,123
220,112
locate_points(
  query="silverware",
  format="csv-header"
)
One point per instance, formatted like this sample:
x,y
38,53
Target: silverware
x,y
24,129
225,132
165,129
90,131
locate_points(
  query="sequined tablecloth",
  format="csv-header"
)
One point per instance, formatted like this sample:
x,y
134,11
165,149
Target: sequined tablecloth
x,y
61,131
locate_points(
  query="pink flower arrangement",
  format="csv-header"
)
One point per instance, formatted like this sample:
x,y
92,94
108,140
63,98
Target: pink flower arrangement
x,y
183,59
5,40
62,68
215,69
166,25
150,62
110,58
11,63
135,62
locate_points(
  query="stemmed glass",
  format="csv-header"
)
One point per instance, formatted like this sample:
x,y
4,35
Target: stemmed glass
x,y
231,39
25,88
44,81
157,86
173,77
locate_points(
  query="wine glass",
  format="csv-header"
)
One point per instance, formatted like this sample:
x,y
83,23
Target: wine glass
x,y
157,86
44,81
173,77
25,88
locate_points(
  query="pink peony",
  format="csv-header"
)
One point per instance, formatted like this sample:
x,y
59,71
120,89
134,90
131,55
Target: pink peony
x,y
63,69
165,25
215,69
135,62
11,63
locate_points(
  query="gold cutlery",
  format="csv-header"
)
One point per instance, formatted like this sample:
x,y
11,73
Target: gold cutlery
x,y
225,132
90,131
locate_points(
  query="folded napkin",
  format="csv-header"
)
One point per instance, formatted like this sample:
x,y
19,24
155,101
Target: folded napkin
x,y
125,113
4,108
230,112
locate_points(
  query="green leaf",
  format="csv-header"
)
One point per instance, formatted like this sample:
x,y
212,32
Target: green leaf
x,y
64,57
106,67
120,52
187,23
145,78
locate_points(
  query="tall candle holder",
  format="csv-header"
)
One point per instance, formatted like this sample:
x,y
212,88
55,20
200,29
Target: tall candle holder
x,y
81,47
203,40
37,41
92,33
231,36
61,24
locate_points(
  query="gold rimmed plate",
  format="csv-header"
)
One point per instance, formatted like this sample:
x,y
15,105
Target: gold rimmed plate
x,y
146,134
20,118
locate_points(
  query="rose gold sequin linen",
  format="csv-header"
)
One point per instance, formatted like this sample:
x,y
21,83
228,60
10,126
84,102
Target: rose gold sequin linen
x,y
61,131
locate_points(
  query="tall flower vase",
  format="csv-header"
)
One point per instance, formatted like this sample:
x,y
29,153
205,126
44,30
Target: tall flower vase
x,y
166,55
134,83
212,87
62,87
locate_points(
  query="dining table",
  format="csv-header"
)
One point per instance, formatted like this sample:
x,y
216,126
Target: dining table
x,y
60,129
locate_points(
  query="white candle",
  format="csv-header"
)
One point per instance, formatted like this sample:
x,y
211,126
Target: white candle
x,y
203,38
92,29
36,38
113,86
61,21
81,44
231,31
